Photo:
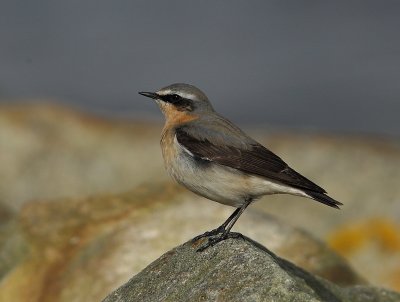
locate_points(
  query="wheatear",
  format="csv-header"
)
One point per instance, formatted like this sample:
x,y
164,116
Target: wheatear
x,y
212,157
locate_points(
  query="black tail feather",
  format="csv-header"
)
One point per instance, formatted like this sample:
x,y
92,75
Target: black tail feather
x,y
323,198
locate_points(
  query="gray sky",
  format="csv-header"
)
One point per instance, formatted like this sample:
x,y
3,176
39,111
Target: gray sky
x,y
324,65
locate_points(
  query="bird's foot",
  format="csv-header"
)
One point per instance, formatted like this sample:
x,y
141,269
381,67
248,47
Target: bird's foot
x,y
219,230
214,240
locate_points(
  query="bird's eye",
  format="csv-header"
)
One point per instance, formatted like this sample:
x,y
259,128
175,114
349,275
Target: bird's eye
x,y
175,97
179,102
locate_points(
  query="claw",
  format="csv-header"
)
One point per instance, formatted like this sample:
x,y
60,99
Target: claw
x,y
214,232
210,242
214,240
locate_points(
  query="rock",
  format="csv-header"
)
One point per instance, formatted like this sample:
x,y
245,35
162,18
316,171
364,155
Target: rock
x,y
235,270
51,154
285,240
81,249
67,246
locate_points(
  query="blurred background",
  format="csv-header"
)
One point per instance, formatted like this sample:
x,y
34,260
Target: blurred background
x,y
84,198
303,64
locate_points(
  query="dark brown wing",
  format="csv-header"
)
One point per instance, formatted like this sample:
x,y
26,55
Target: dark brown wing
x,y
256,159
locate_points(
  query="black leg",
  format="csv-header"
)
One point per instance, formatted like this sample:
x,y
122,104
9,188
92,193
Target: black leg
x,y
224,230
235,217
219,230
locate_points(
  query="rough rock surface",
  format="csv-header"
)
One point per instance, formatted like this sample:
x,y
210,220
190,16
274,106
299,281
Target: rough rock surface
x,y
235,270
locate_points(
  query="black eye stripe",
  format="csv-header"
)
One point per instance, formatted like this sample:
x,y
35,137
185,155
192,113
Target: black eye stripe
x,y
172,98
178,101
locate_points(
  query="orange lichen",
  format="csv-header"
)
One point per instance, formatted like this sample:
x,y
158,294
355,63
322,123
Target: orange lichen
x,y
387,234
378,237
348,238
382,232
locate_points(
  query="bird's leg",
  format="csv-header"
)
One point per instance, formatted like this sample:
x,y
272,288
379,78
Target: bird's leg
x,y
224,230
219,230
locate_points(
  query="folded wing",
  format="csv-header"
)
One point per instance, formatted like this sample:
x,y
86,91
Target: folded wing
x,y
255,159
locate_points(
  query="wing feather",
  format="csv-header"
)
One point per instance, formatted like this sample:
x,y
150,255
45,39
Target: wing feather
x,y
255,159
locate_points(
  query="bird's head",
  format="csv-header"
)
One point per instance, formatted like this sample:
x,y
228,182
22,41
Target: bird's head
x,y
180,102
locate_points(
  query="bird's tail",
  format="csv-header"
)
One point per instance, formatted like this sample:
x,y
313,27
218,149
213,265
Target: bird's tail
x,y
323,198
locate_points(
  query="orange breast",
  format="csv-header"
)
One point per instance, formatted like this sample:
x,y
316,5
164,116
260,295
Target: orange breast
x,y
168,148
175,117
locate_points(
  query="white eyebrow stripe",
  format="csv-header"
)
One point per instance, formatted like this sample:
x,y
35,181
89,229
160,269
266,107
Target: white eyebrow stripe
x,y
183,94
164,92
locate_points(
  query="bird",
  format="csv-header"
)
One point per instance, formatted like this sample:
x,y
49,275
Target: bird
x,y
214,158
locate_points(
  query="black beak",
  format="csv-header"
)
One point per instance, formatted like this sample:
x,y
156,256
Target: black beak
x,y
150,95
